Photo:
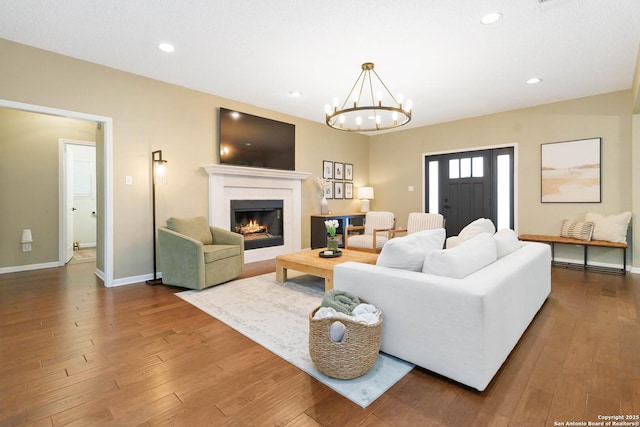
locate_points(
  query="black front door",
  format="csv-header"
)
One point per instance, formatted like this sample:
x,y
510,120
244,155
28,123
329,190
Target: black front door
x,y
468,187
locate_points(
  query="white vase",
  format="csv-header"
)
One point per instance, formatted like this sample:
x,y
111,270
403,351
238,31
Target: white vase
x,y
324,206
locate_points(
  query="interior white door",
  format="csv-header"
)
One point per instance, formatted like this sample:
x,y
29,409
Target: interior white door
x,y
68,198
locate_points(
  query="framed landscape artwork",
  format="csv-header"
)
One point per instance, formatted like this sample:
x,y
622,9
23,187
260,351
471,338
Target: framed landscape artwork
x,y
570,171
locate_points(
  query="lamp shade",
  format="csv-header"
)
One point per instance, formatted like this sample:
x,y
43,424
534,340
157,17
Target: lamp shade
x,y
365,193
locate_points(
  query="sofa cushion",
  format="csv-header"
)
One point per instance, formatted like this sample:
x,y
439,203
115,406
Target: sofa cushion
x,y
480,225
408,252
506,242
196,228
462,260
576,230
612,228
217,252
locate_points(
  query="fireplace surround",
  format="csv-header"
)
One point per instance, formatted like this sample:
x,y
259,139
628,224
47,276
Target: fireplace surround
x,y
227,183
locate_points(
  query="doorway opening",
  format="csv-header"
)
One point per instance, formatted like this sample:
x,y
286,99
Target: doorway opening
x,y
104,184
78,207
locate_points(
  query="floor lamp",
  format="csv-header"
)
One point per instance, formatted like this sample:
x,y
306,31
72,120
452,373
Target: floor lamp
x,y
157,169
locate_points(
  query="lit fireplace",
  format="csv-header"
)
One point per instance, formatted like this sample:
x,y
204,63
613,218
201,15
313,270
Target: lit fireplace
x,y
259,221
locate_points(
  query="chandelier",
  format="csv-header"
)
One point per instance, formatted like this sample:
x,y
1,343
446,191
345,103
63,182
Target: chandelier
x,y
367,112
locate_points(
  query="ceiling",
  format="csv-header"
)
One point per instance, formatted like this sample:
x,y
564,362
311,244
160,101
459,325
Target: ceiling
x,y
435,52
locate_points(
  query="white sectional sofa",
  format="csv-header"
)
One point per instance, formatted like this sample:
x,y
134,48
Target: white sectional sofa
x,y
462,328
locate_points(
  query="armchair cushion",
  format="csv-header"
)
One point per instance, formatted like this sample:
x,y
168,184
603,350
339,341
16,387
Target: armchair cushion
x,y
196,228
217,252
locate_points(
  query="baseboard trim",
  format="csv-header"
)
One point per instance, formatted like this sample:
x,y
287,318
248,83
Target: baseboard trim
x,y
28,267
131,280
575,263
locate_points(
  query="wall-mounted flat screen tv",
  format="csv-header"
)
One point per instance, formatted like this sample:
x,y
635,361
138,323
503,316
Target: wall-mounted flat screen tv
x,y
247,140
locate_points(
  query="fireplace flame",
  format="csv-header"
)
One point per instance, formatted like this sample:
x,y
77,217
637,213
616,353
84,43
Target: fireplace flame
x,y
253,226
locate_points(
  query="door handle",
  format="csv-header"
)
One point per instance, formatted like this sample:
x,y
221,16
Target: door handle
x,y
73,209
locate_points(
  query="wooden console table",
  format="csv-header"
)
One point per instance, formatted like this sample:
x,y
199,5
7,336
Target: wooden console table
x,y
319,231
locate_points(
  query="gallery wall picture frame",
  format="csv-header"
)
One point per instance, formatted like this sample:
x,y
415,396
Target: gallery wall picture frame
x,y
327,169
348,190
338,190
348,172
328,190
571,172
338,170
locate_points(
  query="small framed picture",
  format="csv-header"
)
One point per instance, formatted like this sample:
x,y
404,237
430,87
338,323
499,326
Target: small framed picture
x,y
327,169
328,190
348,171
338,170
338,190
348,190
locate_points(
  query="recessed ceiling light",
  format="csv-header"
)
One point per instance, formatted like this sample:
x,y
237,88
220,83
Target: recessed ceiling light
x,y
491,18
166,47
295,93
534,81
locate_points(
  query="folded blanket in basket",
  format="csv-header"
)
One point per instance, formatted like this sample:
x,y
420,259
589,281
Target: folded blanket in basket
x,y
341,301
363,313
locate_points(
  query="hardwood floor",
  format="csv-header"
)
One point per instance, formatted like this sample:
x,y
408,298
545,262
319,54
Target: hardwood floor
x,y
73,352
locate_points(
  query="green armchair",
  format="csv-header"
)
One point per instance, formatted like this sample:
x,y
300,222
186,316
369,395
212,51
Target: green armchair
x,y
196,256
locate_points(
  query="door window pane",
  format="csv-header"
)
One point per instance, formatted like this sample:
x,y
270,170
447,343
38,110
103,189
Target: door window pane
x,y
433,186
478,167
465,167
454,169
504,191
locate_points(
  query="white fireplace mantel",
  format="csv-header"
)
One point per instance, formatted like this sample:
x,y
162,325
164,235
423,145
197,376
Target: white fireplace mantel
x,y
228,183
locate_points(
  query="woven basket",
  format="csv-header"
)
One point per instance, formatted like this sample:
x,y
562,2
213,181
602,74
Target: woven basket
x,y
351,358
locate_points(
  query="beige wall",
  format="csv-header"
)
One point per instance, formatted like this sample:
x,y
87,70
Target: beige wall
x,y
395,158
29,163
150,115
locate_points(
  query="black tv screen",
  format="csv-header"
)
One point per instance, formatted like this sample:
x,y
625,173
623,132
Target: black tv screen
x,y
247,140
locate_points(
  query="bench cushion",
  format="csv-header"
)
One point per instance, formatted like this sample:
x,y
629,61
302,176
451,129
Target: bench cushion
x,y
576,230
612,228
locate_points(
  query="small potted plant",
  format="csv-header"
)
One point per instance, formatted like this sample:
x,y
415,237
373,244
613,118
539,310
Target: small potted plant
x,y
332,241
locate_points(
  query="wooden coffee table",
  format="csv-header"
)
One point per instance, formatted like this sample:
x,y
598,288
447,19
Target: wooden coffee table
x,y
311,263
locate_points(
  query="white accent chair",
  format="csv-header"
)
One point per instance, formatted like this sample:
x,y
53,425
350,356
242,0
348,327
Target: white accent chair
x,y
420,221
376,227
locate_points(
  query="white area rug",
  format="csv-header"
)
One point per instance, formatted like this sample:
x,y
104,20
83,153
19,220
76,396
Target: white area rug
x,y
276,316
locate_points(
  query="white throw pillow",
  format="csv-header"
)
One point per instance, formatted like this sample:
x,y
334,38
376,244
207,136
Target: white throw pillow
x,y
480,225
506,242
408,252
612,228
462,260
